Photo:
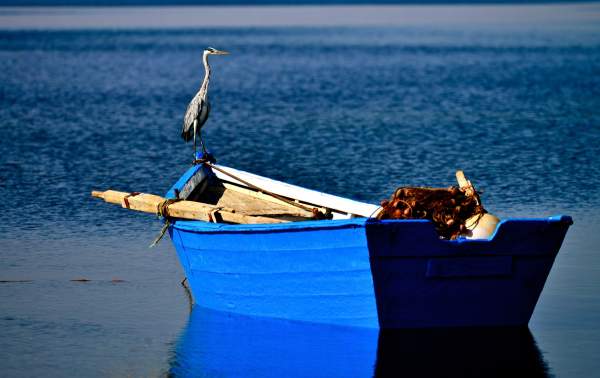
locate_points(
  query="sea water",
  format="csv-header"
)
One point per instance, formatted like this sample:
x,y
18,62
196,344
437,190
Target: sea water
x,y
353,110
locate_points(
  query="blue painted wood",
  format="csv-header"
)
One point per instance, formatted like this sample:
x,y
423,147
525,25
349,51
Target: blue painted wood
x,y
368,273
479,266
310,271
410,296
365,272
192,178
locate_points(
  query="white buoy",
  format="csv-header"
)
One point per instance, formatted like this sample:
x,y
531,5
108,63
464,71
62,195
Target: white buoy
x,y
478,226
481,226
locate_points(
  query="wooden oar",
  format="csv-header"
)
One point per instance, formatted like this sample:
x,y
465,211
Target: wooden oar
x,y
150,203
464,184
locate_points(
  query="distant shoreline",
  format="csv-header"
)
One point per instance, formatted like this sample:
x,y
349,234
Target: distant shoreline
x,y
172,17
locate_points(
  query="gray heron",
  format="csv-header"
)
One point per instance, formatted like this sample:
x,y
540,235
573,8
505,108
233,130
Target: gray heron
x,y
199,108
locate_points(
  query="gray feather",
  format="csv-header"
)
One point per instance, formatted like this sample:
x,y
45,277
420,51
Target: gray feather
x,y
198,109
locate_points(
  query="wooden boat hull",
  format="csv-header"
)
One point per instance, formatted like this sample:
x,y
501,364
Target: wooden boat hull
x,y
307,271
369,273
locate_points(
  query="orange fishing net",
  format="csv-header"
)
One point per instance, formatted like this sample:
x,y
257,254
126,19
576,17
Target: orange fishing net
x,y
447,208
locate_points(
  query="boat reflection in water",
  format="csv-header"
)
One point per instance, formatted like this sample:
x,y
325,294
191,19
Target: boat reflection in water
x,y
230,345
466,352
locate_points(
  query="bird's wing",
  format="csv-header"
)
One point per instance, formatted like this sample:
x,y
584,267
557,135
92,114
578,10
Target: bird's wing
x,y
204,112
191,114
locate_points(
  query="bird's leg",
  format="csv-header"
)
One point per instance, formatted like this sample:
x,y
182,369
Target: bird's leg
x,y
195,123
202,143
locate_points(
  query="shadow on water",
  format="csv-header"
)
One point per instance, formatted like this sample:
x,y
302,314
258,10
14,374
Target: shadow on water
x,y
477,352
222,344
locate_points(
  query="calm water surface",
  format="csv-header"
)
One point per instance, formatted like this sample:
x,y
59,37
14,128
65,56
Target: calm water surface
x,y
354,111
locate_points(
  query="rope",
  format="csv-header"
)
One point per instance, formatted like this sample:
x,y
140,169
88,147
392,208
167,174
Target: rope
x,y
163,207
162,232
162,211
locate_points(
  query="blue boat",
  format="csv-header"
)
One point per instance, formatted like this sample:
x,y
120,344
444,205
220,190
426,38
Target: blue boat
x,y
355,270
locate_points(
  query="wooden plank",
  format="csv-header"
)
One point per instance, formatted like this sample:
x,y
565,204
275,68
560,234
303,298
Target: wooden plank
x,y
343,208
244,204
288,209
149,203
248,205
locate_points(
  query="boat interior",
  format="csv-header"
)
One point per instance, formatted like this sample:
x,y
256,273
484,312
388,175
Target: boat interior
x,y
251,202
262,200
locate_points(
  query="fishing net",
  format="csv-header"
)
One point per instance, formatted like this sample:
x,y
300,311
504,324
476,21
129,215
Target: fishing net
x,y
448,208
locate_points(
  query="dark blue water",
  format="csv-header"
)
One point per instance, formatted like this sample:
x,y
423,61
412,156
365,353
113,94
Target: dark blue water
x,y
350,111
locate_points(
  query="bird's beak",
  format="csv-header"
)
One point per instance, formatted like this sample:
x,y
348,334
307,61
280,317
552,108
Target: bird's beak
x,y
221,52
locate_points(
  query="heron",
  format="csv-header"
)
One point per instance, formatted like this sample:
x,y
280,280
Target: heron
x,y
199,108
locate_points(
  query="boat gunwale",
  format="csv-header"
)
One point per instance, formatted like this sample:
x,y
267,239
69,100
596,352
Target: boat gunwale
x,y
198,226
203,227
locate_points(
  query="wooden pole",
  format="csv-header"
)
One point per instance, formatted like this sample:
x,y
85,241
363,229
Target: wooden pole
x,y
150,203
464,184
480,226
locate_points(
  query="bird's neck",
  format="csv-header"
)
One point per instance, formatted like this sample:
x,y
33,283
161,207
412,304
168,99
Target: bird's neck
x,y
204,86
